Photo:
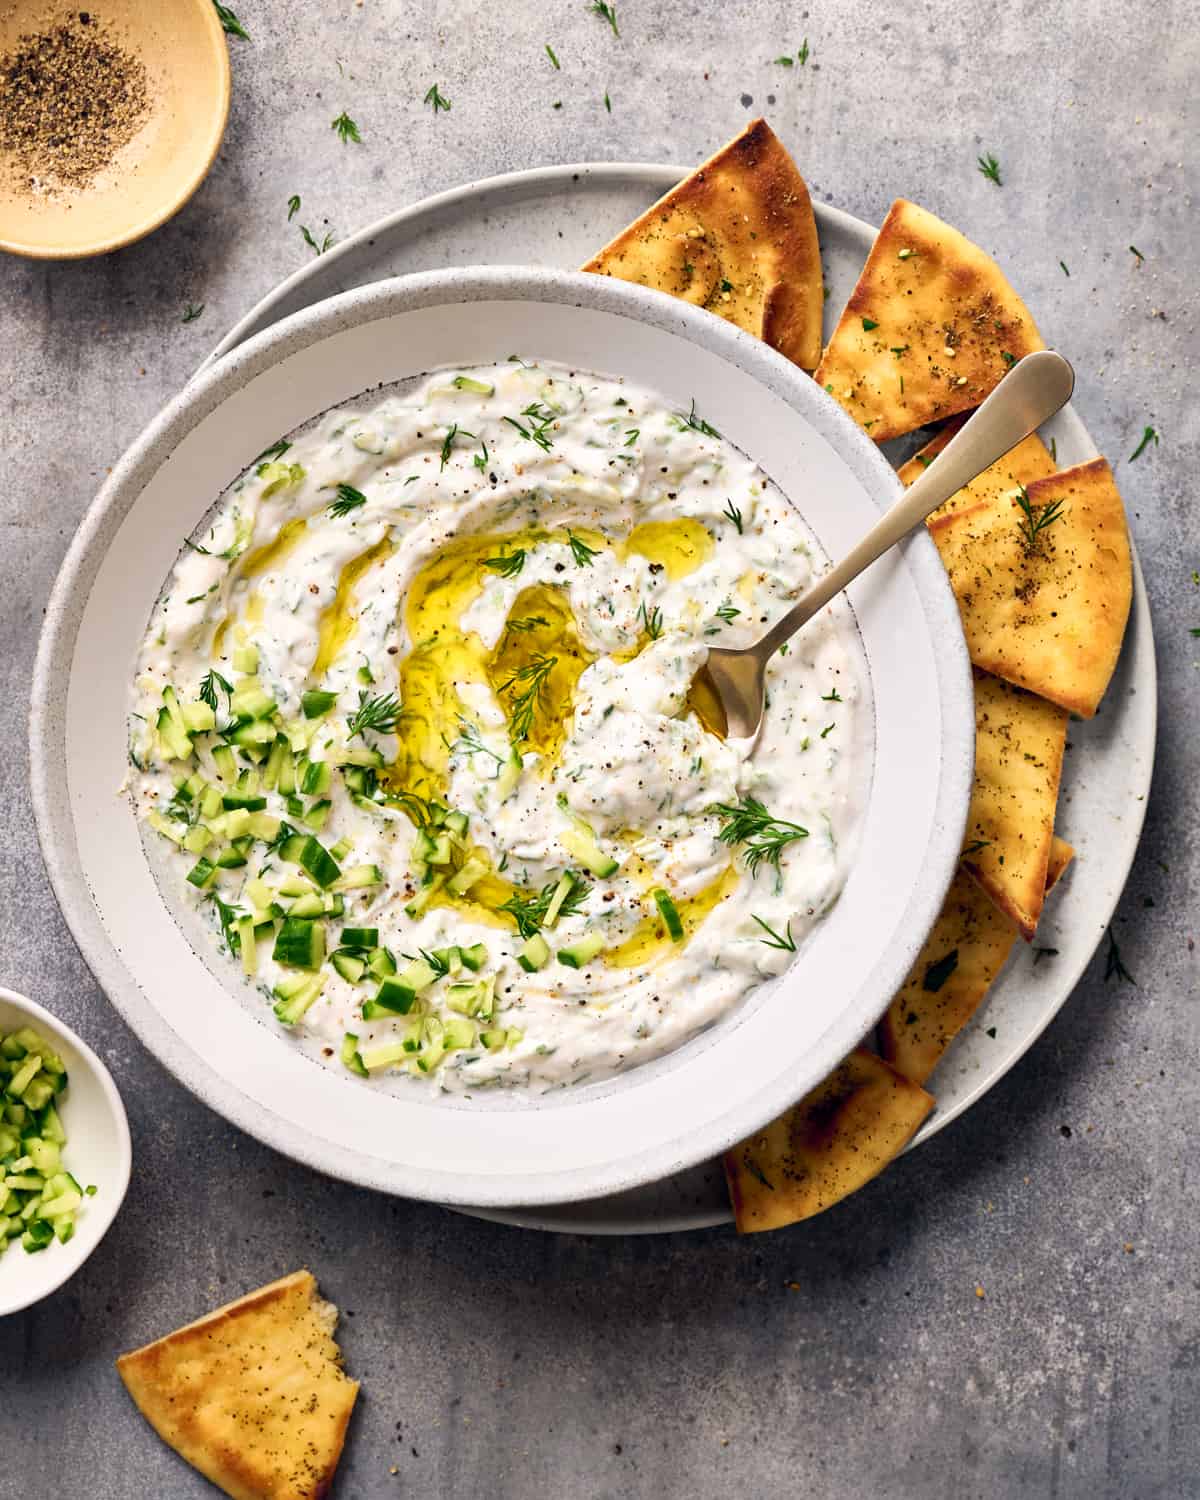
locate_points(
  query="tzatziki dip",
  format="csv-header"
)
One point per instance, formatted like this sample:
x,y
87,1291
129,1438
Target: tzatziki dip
x,y
416,712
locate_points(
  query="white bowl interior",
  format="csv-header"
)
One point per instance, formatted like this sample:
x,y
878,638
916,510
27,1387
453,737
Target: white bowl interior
x,y
97,1151
654,1119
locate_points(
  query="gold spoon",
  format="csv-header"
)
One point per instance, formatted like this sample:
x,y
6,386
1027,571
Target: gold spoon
x,y
729,689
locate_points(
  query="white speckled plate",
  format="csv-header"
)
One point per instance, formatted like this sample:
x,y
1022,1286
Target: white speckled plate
x,y
558,216
215,1031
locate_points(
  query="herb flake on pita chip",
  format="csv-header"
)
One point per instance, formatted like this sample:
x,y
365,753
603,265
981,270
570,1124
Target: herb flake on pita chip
x,y
825,1147
1028,461
1044,581
253,1394
1019,744
737,237
930,330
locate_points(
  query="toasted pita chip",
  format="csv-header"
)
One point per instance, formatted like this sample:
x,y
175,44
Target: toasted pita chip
x,y
1028,461
931,328
1047,614
825,1147
253,1395
737,237
1061,855
1019,743
969,945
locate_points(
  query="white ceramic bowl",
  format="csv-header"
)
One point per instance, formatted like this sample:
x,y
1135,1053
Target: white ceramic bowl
x,y
188,1005
97,1151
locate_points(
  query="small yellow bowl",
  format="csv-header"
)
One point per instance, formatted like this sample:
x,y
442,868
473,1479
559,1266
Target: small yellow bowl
x,y
182,47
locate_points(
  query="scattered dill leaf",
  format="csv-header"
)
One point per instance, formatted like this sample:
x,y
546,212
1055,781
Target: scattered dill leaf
x,y
530,681
230,23
990,168
786,942
1148,436
1113,966
293,206
435,97
346,128
1035,520
764,835
734,515
606,13
580,550
192,311
348,499
380,714
550,53
508,565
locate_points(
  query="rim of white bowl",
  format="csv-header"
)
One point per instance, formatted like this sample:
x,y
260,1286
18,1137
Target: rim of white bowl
x,y
57,1259
145,456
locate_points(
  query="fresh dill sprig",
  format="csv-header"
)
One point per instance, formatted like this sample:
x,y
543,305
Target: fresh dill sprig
x,y
208,689
652,620
346,128
509,565
734,515
540,418
1034,521
530,680
380,714
470,741
697,423
437,99
229,916
1113,966
448,442
348,499
553,56
631,436
606,13
833,696
1148,436
307,236
728,613
230,23
525,625
580,550
192,311
276,450
990,168
803,55
528,908
293,206
764,835
786,943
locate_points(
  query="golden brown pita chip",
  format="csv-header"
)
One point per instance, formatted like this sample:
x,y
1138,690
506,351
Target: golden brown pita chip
x,y
253,1395
969,945
1019,743
1028,461
1061,855
737,237
931,328
1047,613
825,1147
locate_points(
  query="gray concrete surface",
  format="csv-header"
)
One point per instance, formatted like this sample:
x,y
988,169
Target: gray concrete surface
x,y
850,1356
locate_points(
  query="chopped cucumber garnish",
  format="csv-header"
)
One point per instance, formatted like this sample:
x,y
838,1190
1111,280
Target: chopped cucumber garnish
x,y
581,952
351,1057
670,914
581,844
474,957
295,997
314,704
299,943
360,937
535,954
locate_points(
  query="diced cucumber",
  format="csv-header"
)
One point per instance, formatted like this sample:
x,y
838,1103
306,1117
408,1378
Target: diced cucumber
x,y
226,765
360,937
381,963
234,857
255,732
566,884
169,829
172,737
468,877
382,1056
50,1127
464,998
442,851
299,943
582,845
450,959
351,1057
348,965
197,839
250,801
258,893
317,778
198,718
360,878
313,704
456,823
245,659
492,1040
510,775
235,824
292,1007
248,945
474,957
310,905
360,755
581,952
424,896
171,703
670,914
279,749
535,954
313,858
202,873
341,849
265,827
210,802
418,975
44,1155
317,813
458,1034
286,783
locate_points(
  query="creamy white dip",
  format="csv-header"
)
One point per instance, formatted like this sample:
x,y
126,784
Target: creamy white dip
x,y
432,553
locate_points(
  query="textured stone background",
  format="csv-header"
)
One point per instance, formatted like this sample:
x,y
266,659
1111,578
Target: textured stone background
x,y
851,1355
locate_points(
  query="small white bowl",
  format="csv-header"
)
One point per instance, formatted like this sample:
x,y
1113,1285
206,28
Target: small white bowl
x,y
97,1151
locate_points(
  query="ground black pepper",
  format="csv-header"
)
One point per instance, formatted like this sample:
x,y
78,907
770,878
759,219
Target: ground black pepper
x,y
70,98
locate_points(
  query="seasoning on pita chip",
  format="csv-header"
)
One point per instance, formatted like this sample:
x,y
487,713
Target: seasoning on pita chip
x,y
1019,743
1044,580
930,330
825,1147
737,237
969,945
253,1395
1028,461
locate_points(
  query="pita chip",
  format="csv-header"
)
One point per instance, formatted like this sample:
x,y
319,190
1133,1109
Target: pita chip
x,y
1046,610
1028,461
1061,855
1019,744
737,237
253,1395
825,1147
930,330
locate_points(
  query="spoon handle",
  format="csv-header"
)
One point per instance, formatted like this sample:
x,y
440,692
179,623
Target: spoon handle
x,y
1030,394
